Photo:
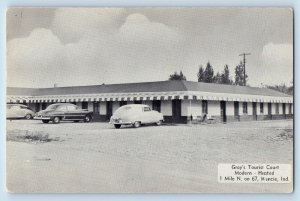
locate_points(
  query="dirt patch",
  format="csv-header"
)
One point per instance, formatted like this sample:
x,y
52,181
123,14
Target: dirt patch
x,y
284,135
29,136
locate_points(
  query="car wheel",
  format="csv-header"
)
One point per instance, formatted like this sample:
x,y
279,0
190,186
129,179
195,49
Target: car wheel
x,y
87,118
56,120
159,123
45,121
28,116
137,124
117,126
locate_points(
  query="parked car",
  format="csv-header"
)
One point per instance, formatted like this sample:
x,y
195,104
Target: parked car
x,y
136,115
64,112
18,111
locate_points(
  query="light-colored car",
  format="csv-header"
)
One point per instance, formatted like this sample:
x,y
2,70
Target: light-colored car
x,y
18,111
136,115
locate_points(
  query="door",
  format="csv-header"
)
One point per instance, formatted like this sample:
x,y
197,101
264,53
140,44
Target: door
x,y
109,109
176,111
223,111
156,105
254,109
37,107
96,109
236,110
44,106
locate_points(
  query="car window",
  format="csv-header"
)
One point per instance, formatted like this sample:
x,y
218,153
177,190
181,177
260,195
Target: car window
x,y
147,109
15,107
52,107
61,108
71,108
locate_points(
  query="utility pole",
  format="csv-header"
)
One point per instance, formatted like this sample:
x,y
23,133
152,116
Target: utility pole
x,y
244,64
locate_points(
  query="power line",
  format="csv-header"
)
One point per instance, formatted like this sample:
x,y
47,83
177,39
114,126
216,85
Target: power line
x,y
244,65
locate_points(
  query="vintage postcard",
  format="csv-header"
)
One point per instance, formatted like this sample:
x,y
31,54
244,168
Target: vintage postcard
x,y
149,100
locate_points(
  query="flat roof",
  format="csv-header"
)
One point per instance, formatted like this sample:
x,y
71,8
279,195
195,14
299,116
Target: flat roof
x,y
160,86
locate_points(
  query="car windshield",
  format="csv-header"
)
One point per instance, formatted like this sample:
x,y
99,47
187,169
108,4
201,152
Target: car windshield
x,y
52,107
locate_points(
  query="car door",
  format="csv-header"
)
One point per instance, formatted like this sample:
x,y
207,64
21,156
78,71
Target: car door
x,y
147,115
73,113
61,111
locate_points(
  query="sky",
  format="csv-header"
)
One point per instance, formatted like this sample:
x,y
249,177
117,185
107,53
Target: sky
x,y
90,46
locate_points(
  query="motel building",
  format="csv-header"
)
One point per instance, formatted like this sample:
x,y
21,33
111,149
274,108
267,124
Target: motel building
x,y
178,101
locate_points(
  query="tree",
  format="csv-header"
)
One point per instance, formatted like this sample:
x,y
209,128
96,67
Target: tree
x,y
282,88
239,75
217,78
177,76
209,73
200,75
225,77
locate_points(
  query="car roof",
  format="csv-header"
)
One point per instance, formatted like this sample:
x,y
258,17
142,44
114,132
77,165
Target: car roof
x,y
16,104
136,105
62,104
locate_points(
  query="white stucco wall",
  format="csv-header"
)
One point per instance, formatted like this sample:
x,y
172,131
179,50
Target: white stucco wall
x,y
166,107
280,108
191,108
214,108
230,108
102,108
250,108
90,106
273,108
266,109
241,108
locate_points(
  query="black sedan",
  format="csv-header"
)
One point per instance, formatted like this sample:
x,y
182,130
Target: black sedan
x,y
64,112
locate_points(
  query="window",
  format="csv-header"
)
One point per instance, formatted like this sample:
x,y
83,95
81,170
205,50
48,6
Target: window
x,y
71,108
84,105
61,108
290,108
277,108
261,108
147,109
204,107
245,108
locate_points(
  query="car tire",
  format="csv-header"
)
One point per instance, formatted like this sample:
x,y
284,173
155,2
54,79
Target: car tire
x,y
87,118
28,116
137,124
56,120
45,121
159,123
117,126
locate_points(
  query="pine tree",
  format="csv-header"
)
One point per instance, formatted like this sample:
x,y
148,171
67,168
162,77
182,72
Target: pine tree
x,y
209,73
177,76
200,74
239,75
225,77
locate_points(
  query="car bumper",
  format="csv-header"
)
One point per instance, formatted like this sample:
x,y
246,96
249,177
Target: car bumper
x,y
120,122
41,118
